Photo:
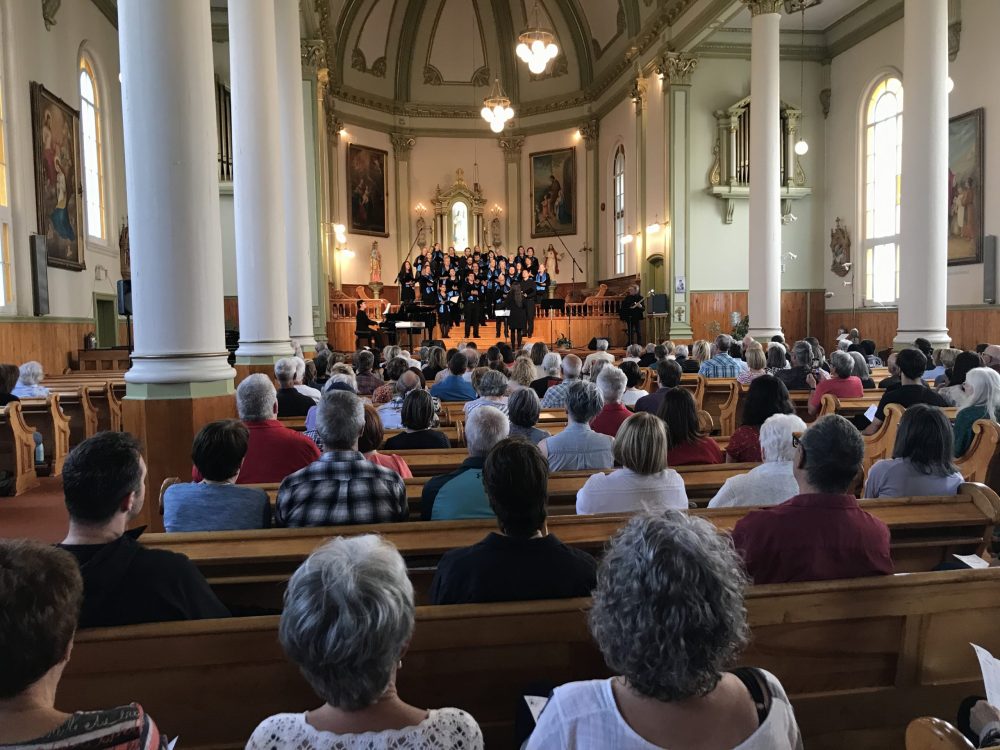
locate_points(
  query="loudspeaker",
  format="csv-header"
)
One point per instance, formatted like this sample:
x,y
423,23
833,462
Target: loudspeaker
x,y
125,297
39,274
658,303
434,342
990,280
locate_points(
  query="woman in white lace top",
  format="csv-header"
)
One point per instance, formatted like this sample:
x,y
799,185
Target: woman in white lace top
x,y
347,620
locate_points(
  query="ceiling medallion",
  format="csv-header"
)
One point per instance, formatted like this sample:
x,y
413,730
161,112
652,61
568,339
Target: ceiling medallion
x,y
536,46
496,108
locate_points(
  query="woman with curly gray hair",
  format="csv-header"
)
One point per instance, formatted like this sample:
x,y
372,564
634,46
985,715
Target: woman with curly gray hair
x,y
668,615
347,621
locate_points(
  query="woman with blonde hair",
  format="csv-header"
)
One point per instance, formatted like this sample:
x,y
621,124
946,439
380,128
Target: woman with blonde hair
x,y
701,351
756,364
522,373
644,482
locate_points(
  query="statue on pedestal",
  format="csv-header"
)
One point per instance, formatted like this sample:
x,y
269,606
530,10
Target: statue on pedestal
x,y
376,265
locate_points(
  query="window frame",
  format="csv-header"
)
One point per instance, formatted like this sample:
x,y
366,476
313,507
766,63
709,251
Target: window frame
x,y
869,122
87,67
618,207
8,301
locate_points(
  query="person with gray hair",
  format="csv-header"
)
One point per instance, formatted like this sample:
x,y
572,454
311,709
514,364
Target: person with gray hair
x,y
551,364
391,413
777,359
274,451
342,487
578,447
670,645
722,365
492,389
821,533
555,396
368,380
862,371
30,376
804,363
346,624
522,412
300,380
843,383
291,403
460,494
773,481
611,382
633,353
601,353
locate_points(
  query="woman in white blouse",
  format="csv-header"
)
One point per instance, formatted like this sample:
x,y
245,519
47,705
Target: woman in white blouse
x,y
772,482
644,482
347,621
633,376
669,619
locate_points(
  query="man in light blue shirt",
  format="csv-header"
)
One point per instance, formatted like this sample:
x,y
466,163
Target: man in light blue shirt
x,y
453,387
721,365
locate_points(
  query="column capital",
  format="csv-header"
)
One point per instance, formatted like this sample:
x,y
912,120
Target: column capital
x,y
589,132
511,145
313,54
763,7
324,93
402,144
676,69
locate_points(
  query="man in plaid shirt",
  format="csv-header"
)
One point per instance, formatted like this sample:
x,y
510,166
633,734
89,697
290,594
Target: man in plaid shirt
x,y
722,365
342,487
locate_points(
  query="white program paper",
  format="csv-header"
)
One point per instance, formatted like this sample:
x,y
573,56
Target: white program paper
x,y
870,413
991,673
973,561
535,704
173,743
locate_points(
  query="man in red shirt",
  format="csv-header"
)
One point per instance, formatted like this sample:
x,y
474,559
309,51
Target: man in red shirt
x,y
611,383
821,533
275,451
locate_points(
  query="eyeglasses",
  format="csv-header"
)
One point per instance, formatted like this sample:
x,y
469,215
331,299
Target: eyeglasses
x,y
797,439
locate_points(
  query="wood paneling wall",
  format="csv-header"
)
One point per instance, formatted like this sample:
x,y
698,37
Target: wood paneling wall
x,y
802,312
54,344
967,326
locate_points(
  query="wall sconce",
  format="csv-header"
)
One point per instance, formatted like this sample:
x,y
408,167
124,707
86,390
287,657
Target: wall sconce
x,y
628,239
421,209
496,210
653,228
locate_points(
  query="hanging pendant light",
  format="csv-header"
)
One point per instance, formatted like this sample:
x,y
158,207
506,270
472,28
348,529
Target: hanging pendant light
x,y
496,108
536,46
801,147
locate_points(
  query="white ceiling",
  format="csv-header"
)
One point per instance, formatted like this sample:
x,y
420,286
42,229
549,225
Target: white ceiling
x,y
818,18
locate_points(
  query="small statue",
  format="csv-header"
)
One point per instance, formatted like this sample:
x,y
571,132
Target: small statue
x,y
421,232
840,246
376,264
556,257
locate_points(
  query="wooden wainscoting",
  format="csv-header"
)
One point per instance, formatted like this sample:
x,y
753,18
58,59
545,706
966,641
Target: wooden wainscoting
x,y
55,344
802,312
967,325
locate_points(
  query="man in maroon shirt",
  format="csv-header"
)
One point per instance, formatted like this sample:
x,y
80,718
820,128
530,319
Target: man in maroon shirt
x,y
821,533
275,451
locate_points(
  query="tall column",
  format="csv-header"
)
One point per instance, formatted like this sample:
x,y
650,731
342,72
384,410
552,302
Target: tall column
x,y
180,377
638,246
590,131
511,146
257,187
765,159
292,136
402,144
677,71
923,298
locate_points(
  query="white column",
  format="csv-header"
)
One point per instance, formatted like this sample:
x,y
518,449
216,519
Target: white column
x,y
923,293
293,163
168,107
257,184
765,160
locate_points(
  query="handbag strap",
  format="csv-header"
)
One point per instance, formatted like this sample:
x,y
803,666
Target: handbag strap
x,y
760,691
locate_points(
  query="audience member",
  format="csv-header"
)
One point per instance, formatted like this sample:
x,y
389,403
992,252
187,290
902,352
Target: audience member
x,y
30,376
777,358
291,403
701,352
842,384
555,395
417,416
804,364
577,446
551,365
821,533
347,622
460,494
436,363
322,362
601,353
944,361
367,379
644,482
522,561
538,351
688,364
766,397
124,583
911,364
981,401
633,377
926,349
668,377
773,481
921,462
391,413
893,381
756,364
648,356
522,374
688,444
611,383
9,375
371,438
216,503
492,390
387,391
991,356
454,387
41,592
952,392
861,371
471,361
722,364
341,487
669,617
522,412
633,353
301,378
596,367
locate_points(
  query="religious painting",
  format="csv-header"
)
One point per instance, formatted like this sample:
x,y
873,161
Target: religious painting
x,y
553,193
965,188
58,178
366,190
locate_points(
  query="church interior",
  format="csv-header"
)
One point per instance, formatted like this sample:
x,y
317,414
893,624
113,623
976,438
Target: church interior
x,y
193,192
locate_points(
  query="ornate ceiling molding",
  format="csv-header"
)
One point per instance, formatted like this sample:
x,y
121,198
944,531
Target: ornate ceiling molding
x,y
313,54
590,131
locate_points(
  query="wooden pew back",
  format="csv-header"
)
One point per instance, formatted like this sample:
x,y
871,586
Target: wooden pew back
x,y
17,448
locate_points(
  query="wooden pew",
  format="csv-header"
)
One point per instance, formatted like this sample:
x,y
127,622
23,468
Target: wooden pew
x,y
17,448
82,414
858,658
46,417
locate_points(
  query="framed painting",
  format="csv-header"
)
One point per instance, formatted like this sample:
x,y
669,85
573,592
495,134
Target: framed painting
x,y
553,192
965,188
58,178
366,188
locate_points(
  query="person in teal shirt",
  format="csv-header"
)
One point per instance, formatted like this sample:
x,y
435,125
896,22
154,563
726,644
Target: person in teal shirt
x,y
982,401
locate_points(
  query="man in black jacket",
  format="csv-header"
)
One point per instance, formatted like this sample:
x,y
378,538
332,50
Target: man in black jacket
x,y
471,299
631,313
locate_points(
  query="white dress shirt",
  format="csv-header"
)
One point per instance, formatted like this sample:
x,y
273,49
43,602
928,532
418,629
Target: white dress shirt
x,y
632,395
770,483
625,491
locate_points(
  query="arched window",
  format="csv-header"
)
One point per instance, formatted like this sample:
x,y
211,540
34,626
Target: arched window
x,y
883,136
619,191
93,172
6,215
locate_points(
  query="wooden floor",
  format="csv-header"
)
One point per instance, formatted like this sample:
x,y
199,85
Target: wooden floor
x,y
37,514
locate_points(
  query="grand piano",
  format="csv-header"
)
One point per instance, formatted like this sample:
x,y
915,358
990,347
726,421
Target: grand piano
x,y
410,317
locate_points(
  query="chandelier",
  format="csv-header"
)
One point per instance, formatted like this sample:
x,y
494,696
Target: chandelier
x,y
496,108
536,46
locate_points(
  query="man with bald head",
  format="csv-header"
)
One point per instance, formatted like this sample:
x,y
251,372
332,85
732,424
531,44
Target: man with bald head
x,y
392,412
556,395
